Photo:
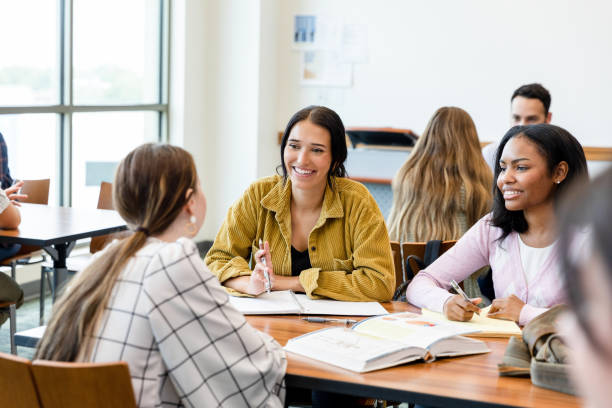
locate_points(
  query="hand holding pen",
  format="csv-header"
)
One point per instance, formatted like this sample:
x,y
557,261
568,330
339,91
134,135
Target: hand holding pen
x,y
267,282
262,276
460,307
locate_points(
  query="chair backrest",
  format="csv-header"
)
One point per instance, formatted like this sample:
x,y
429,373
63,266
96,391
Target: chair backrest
x,y
381,136
92,385
17,389
396,251
418,249
105,202
105,199
37,191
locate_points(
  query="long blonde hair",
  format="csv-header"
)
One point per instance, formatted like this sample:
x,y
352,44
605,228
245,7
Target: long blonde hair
x,y
149,192
444,177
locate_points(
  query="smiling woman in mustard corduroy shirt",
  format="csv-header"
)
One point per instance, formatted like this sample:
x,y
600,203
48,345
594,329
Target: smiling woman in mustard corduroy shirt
x,y
323,234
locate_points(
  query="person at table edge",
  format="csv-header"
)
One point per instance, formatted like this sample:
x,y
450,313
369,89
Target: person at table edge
x,y
323,234
534,167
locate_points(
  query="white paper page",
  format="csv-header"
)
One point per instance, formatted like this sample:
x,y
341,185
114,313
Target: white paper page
x,y
342,347
277,302
337,307
410,328
481,323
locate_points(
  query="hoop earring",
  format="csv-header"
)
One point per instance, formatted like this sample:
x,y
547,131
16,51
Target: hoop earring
x,y
191,227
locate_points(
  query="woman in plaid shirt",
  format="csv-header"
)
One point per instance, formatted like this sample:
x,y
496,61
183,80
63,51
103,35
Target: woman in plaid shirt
x,y
150,300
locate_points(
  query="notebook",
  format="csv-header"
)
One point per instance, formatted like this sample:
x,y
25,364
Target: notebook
x,y
385,341
483,325
287,302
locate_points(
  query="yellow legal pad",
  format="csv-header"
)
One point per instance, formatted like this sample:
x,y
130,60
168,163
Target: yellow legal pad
x,y
487,326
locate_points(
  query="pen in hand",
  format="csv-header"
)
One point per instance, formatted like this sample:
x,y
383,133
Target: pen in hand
x,y
266,274
460,291
328,320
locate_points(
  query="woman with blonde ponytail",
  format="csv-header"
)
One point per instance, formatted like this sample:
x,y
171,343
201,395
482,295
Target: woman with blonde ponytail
x,y
445,185
150,300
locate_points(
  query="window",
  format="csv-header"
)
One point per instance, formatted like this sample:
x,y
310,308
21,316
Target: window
x,y
82,83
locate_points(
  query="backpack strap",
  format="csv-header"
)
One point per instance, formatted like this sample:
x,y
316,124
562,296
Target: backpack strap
x,y
432,251
410,272
400,292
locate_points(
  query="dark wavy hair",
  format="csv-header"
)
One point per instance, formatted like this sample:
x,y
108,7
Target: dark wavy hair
x,y
534,91
328,119
555,144
588,209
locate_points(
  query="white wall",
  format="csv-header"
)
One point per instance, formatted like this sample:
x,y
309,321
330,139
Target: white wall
x,y
235,78
469,53
222,71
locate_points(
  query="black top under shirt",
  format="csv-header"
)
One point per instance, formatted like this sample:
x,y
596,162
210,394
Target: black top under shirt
x,y
299,261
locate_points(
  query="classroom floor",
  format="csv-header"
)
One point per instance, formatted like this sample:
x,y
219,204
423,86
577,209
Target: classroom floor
x,y
27,318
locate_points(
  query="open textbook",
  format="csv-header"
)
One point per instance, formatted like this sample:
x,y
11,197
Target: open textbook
x,y
385,341
287,302
483,326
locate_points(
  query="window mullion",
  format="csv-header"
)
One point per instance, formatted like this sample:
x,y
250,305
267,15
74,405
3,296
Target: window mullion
x,y
65,150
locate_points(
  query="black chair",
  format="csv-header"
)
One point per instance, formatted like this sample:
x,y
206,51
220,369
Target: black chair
x,y
381,136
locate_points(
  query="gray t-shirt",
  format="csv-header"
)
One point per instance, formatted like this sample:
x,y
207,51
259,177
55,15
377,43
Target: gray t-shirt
x,y
488,152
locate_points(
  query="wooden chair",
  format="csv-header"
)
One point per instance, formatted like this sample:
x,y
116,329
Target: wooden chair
x,y
17,389
78,263
92,385
36,190
418,249
105,202
396,251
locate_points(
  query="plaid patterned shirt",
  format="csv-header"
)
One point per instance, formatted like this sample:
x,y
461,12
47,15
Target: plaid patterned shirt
x,y
170,319
5,175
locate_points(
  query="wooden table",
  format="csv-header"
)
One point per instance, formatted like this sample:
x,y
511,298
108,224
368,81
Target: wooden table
x,y
56,230
470,381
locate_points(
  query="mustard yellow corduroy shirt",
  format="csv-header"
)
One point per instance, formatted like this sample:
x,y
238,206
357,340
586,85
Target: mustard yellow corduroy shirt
x,y
348,247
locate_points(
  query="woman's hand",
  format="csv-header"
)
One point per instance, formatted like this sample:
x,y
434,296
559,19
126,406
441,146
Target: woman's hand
x,y
257,282
506,308
11,193
457,308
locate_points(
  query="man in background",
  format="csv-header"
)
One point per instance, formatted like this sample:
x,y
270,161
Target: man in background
x,y
529,105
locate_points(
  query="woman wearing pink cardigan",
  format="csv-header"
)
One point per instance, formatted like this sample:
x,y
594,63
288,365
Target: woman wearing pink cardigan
x,y
534,166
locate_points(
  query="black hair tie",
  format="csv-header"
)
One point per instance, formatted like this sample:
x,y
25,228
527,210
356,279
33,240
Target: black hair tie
x,y
144,230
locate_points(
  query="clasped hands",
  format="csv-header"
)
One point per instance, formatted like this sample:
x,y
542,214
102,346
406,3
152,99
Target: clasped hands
x,y
508,308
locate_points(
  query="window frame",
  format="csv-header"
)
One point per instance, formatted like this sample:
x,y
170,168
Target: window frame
x,y
66,108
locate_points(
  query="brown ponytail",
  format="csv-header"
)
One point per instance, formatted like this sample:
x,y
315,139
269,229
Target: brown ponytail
x,y
149,192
